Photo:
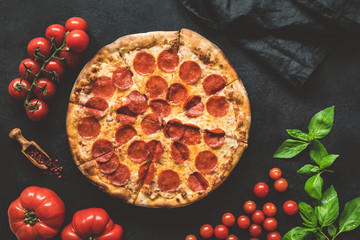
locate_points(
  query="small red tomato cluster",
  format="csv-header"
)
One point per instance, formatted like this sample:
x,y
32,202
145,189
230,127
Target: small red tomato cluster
x,y
258,217
46,65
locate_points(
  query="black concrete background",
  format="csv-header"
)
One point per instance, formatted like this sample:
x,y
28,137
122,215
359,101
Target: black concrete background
x,y
275,107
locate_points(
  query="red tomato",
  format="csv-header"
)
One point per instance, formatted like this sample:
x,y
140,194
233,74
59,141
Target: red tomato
x,y
206,231
250,207
37,111
290,207
92,223
269,209
275,173
270,224
76,23
17,88
255,230
221,231
261,190
57,32
33,66
258,217
273,236
77,40
243,222
190,237
228,219
232,237
39,48
46,91
37,214
281,185
54,69
72,59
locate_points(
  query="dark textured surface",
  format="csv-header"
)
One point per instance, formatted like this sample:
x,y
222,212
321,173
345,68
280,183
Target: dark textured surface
x,y
275,106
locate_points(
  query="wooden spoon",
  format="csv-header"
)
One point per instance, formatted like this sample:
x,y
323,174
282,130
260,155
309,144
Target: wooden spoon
x,y
17,135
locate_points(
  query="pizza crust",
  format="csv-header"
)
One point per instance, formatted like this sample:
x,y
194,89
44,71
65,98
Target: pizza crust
x,y
73,134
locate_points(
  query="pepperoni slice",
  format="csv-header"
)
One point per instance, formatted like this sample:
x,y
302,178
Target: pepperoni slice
x,y
161,107
125,115
179,152
144,63
197,182
124,134
168,180
103,87
150,124
138,151
214,138
217,106
177,93
213,84
96,106
190,72
193,106
150,174
168,60
121,176
122,78
174,129
88,127
206,162
102,150
191,135
156,86
143,169
109,166
136,102
156,150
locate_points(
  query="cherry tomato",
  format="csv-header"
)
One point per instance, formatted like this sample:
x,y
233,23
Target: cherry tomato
x,y
255,230
191,237
48,85
39,48
77,40
228,219
17,88
76,23
206,231
273,236
243,222
290,207
33,66
261,190
275,173
269,209
72,59
56,31
258,217
221,231
232,237
250,207
38,111
54,65
270,224
281,185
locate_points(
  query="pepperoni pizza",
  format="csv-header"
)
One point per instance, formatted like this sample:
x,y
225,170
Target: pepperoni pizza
x,y
158,119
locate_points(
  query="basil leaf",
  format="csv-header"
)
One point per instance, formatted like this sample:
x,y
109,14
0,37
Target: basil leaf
x,y
290,148
313,186
308,170
328,160
350,217
328,209
320,236
332,230
317,151
321,124
298,134
299,233
307,213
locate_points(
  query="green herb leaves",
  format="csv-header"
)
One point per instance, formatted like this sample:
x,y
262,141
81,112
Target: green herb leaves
x,y
350,217
299,233
321,124
328,209
290,148
307,213
313,186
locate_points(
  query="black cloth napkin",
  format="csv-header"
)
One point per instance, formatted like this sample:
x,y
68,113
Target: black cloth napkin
x,y
290,37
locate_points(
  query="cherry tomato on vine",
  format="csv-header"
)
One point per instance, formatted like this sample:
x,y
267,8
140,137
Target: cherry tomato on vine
x,y
228,219
221,231
39,48
56,31
250,207
290,207
255,230
48,85
281,185
54,65
270,224
17,88
232,237
258,217
273,236
72,58
243,222
76,23
275,173
261,190
206,231
269,209
77,40
33,66
38,111
190,237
